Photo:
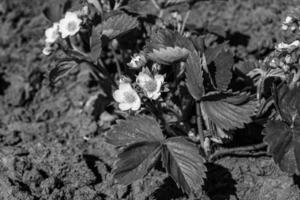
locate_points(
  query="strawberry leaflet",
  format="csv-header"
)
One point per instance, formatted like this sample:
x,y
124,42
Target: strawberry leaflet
x,y
194,79
228,111
184,164
143,145
117,25
222,62
142,138
284,144
283,137
166,47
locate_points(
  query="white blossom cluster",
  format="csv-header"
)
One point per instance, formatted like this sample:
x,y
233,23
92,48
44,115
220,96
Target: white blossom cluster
x,y
129,99
67,26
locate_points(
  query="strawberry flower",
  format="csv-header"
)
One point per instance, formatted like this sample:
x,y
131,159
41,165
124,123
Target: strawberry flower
x,y
127,97
52,33
150,85
69,25
137,61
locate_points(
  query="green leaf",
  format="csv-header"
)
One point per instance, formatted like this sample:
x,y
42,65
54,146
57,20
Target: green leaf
x,y
194,79
134,129
218,30
117,25
220,62
245,67
223,63
212,53
175,2
96,43
228,111
54,11
136,161
168,55
168,43
142,138
288,102
284,144
184,164
62,68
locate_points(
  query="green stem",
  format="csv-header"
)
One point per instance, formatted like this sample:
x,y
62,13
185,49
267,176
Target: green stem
x,y
237,151
156,5
185,20
199,123
117,62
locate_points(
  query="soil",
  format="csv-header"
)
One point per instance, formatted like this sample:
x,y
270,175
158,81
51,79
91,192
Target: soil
x,y
52,148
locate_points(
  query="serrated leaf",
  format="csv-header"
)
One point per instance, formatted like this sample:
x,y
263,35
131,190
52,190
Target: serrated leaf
x,y
62,68
212,53
142,7
218,30
194,79
184,164
284,144
142,138
133,130
136,161
198,42
175,2
54,11
118,25
223,63
245,67
167,39
288,102
96,43
228,111
168,55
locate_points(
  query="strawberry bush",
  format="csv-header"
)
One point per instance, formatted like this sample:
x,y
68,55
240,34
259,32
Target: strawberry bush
x,y
179,94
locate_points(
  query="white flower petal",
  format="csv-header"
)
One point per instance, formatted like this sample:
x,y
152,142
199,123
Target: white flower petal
x,y
154,95
159,78
124,106
70,20
136,104
52,33
118,96
288,20
142,78
124,87
70,15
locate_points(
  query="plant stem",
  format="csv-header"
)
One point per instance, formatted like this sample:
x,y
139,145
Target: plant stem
x,y
237,151
185,20
117,62
161,11
199,123
156,5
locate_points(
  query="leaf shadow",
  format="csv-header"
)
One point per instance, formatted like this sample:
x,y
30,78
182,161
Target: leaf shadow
x,y
91,161
238,38
249,135
3,84
167,191
219,183
296,180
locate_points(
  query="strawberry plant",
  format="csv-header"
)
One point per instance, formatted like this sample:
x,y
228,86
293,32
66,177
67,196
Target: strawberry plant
x,y
178,93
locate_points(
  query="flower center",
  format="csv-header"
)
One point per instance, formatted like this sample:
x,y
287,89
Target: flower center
x,y
150,86
129,97
72,26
